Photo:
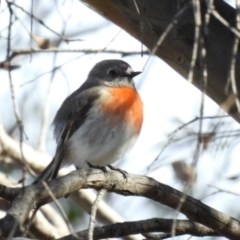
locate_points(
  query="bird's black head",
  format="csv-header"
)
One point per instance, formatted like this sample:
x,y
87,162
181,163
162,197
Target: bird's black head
x,y
112,72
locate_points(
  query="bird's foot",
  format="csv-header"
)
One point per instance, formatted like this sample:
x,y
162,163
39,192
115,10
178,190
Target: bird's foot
x,y
124,173
103,169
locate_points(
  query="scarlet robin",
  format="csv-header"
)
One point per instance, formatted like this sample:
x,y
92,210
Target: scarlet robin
x,y
99,122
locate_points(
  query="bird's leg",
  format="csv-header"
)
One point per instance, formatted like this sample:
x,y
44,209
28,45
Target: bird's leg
x,y
124,173
103,169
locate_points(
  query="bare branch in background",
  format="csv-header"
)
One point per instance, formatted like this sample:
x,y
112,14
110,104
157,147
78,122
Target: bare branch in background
x,y
13,95
16,52
40,21
144,226
93,213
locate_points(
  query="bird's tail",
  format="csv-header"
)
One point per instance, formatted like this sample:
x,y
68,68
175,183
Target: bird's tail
x,y
50,172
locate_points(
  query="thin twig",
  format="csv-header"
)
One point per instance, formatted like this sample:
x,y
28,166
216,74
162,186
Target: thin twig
x,y
93,213
12,90
198,42
45,113
48,72
40,21
105,48
45,116
141,25
234,58
215,13
197,18
172,134
224,190
194,120
16,52
60,209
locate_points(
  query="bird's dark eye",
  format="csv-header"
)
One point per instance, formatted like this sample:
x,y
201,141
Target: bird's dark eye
x,y
112,72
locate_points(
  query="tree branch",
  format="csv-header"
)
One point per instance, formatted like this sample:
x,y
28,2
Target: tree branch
x,y
17,52
35,195
145,226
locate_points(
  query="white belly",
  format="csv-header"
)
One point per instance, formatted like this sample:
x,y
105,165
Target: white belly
x,y
99,142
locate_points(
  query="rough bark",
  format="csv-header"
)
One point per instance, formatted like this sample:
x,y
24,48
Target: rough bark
x,y
34,195
146,226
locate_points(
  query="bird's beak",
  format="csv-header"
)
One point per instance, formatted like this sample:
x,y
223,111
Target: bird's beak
x,y
134,74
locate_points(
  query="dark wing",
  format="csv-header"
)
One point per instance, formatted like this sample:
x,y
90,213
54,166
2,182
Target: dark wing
x,y
73,111
68,119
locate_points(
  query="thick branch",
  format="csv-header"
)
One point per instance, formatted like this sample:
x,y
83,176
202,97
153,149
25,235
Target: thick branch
x,y
135,185
145,226
11,148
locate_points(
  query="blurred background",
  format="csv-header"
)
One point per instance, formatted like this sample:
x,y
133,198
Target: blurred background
x,y
168,144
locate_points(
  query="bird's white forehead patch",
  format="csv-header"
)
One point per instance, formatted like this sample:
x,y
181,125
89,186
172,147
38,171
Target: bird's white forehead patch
x,y
129,70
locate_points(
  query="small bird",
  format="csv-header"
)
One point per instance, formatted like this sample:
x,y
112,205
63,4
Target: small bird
x,y
99,122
